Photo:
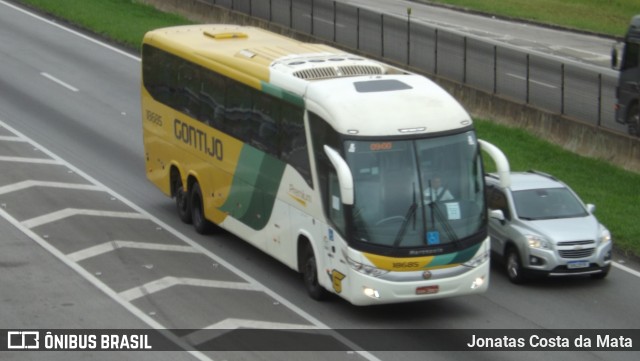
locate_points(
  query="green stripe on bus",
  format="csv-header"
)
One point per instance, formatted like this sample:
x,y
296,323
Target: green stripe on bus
x,y
282,94
254,187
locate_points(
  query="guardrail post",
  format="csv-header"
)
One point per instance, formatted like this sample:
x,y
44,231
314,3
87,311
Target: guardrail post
x,y
562,80
599,98
528,78
435,53
382,35
464,61
408,36
495,69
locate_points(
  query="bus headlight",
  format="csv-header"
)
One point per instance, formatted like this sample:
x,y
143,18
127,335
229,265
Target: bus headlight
x,y
366,269
477,260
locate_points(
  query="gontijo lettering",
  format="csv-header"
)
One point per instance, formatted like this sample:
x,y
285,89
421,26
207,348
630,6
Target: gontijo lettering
x,y
198,139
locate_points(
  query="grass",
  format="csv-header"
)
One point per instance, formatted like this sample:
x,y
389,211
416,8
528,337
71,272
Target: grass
x,y
123,21
612,189
609,17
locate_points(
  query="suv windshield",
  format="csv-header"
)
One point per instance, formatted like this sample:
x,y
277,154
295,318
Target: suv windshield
x,y
416,193
548,203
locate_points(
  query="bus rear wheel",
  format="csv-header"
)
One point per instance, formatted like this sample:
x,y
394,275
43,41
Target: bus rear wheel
x,y
200,223
182,203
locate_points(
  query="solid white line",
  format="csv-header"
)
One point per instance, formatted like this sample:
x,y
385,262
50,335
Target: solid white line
x,y
85,37
31,183
59,82
70,212
112,246
11,138
201,336
169,281
625,268
29,160
532,81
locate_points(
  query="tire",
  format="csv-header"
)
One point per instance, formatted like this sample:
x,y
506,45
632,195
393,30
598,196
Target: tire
x,y
200,223
601,275
633,120
183,205
513,266
310,276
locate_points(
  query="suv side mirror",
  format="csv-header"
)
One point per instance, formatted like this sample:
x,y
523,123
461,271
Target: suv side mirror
x,y
591,208
497,214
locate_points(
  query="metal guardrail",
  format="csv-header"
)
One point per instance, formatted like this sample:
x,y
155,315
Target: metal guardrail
x,y
536,80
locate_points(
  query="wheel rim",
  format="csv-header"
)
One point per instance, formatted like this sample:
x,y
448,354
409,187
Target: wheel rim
x,y
197,211
310,276
181,200
513,266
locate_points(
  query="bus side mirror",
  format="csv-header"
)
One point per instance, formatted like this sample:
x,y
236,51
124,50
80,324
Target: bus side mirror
x,y
614,57
345,178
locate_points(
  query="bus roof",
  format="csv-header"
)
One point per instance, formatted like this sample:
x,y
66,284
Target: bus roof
x,y
360,96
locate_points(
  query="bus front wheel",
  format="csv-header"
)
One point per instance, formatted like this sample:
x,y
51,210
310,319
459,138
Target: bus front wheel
x,y
200,223
310,275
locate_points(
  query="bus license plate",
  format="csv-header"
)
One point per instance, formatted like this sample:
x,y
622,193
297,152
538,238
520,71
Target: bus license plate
x,y
577,264
427,290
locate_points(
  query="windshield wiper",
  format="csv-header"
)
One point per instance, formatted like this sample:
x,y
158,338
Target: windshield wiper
x,y
445,223
410,214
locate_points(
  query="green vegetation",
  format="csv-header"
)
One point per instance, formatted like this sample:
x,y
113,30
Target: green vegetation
x,y
600,16
611,189
123,21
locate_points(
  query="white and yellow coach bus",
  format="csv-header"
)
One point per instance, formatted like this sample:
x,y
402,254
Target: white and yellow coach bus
x,y
365,178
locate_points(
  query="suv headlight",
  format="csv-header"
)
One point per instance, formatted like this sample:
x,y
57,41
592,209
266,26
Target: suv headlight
x,y
366,269
535,241
605,236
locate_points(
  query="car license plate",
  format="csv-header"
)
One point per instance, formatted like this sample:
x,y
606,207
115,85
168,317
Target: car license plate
x,y
577,264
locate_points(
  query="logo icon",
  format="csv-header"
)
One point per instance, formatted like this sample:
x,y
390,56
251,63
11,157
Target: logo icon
x,y
23,340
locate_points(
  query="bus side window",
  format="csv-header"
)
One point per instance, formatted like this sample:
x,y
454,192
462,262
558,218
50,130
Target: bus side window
x,y
212,100
238,110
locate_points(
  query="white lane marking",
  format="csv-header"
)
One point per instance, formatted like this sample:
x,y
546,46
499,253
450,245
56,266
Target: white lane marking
x,y
169,281
625,268
156,220
32,183
112,246
70,212
532,81
83,36
11,138
201,336
29,160
60,82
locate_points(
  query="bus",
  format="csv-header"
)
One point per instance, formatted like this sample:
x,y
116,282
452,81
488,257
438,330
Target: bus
x,y
321,158
627,108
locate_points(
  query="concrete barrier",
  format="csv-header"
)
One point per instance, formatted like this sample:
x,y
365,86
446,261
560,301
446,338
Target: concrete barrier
x,y
571,134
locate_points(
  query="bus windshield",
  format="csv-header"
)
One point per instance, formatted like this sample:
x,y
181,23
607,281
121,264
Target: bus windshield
x,y
416,193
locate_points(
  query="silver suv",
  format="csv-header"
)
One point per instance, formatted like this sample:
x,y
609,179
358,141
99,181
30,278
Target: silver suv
x,y
539,226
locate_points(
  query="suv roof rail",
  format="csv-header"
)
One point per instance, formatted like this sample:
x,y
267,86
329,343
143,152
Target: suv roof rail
x,y
547,175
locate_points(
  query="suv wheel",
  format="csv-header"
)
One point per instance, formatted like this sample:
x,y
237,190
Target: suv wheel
x,y
513,266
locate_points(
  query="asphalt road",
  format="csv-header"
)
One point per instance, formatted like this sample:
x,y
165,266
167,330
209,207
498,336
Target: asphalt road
x,y
88,242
